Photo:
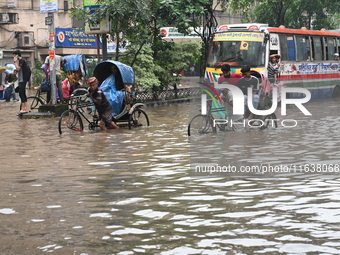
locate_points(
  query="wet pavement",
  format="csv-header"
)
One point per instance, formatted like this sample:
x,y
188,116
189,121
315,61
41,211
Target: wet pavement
x,y
133,192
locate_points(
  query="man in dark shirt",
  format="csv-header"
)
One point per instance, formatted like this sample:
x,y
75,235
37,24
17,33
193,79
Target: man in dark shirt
x,y
249,81
101,103
12,77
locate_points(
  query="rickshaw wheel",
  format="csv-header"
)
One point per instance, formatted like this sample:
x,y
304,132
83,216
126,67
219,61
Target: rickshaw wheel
x,y
70,122
138,118
92,126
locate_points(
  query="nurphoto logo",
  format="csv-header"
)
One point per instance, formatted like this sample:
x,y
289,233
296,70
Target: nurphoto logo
x,y
238,102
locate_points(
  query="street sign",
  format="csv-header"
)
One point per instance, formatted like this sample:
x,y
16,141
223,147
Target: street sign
x,y
48,21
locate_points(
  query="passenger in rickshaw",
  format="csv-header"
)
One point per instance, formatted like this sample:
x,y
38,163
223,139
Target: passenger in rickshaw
x,y
111,82
249,81
101,103
71,83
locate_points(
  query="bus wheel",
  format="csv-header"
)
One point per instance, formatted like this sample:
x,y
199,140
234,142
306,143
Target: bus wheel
x,y
336,92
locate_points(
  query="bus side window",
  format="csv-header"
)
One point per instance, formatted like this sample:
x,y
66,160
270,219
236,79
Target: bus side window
x,y
330,47
324,47
316,48
334,43
283,47
291,47
301,48
308,49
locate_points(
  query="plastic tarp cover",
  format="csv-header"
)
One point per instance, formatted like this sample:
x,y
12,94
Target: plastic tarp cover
x,y
103,70
11,68
74,62
115,97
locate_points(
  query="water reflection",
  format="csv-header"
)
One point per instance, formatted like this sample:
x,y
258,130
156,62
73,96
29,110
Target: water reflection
x,y
131,191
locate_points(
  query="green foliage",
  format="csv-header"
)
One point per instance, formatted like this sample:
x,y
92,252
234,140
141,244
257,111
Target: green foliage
x,y
157,73
290,13
37,74
145,78
139,21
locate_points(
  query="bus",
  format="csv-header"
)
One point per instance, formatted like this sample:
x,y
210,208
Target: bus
x,y
307,56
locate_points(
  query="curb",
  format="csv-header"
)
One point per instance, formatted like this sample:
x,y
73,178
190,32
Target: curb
x,y
37,115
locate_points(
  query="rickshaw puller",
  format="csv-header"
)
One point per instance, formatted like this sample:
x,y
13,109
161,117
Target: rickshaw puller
x,y
101,103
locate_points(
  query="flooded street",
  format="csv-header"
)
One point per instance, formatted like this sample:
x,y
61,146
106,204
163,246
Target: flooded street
x,y
133,192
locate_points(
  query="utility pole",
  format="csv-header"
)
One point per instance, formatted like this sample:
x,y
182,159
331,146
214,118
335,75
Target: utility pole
x,y
51,52
104,48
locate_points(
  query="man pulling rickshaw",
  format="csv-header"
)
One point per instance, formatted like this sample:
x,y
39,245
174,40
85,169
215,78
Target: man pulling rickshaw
x,y
109,94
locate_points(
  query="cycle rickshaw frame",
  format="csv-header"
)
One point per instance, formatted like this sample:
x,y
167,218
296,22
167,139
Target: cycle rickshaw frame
x,y
130,111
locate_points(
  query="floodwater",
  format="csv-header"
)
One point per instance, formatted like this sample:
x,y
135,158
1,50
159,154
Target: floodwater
x,y
132,191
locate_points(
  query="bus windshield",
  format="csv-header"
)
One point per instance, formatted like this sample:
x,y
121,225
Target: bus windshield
x,y
237,49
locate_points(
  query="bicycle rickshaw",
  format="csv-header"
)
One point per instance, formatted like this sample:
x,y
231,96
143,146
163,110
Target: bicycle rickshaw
x,y
75,64
202,124
126,111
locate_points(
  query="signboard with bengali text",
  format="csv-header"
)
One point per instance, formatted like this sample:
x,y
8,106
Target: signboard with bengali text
x,y
77,38
172,33
12,3
48,6
240,36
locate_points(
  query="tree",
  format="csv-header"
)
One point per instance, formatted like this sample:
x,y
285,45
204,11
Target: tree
x,y
293,14
191,15
158,73
138,24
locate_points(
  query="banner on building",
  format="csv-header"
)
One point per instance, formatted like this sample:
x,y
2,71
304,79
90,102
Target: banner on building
x,y
48,6
68,37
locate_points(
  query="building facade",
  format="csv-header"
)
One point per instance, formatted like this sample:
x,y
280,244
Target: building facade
x,y
24,27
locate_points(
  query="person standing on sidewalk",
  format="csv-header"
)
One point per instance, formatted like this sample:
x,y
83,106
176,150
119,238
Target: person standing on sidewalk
x,y
20,65
59,64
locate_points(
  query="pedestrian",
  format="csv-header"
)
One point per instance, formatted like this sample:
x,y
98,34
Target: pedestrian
x,y
59,64
20,66
45,68
336,56
101,103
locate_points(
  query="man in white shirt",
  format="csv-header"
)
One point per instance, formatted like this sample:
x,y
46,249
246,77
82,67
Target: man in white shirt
x,y
59,64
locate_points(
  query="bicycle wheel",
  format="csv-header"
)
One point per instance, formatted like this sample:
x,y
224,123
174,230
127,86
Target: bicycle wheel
x,y
201,124
33,103
270,122
138,118
70,122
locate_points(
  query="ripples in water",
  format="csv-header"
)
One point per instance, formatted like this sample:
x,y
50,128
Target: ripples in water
x,y
131,191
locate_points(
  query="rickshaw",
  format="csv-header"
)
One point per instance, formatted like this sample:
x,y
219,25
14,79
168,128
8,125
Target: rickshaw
x,y
126,111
